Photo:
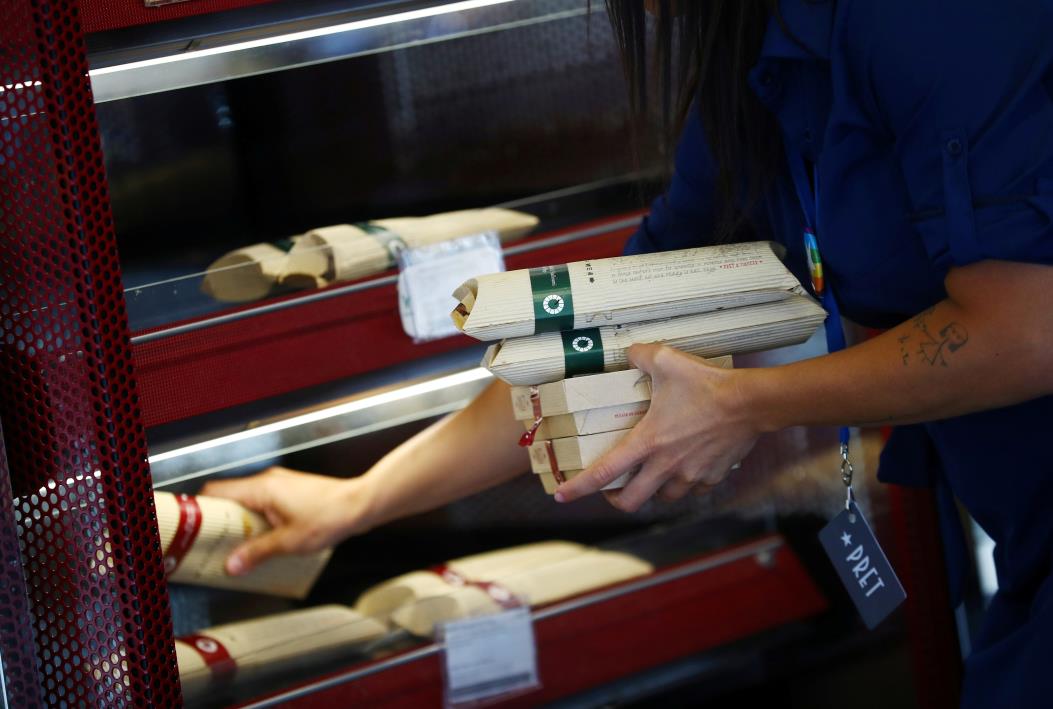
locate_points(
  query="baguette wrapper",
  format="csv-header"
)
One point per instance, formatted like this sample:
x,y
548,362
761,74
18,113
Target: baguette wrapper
x,y
621,290
552,356
236,653
198,533
345,252
537,585
382,600
549,482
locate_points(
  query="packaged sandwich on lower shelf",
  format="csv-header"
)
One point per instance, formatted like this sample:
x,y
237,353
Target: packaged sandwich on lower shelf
x,y
552,356
249,650
538,584
620,290
348,251
593,403
381,600
198,533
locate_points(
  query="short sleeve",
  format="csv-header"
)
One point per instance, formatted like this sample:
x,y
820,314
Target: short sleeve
x,y
963,92
683,216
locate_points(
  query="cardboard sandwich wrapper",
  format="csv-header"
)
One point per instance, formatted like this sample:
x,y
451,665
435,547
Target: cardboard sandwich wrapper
x,y
552,356
236,653
198,533
594,403
537,584
534,574
622,290
382,600
348,251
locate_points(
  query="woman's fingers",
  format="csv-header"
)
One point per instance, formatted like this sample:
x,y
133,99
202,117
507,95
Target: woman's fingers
x,y
641,488
625,456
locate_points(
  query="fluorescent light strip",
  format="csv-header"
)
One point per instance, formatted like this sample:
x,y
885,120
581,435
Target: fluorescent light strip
x,y
306,34
387,397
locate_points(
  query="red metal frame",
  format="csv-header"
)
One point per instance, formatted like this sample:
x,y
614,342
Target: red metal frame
x,y
615,638
313,343
96,602
103,15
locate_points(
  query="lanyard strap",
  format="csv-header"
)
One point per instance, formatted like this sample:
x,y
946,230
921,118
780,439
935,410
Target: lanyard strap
x,y
835,333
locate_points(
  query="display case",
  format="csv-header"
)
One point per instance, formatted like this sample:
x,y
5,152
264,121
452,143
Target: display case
x,y
208,126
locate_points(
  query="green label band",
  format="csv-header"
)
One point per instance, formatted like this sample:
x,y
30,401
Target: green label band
x,y
388,239
582,351
553,304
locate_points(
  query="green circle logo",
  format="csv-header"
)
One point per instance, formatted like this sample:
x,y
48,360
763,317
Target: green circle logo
x,y
553,304
582,343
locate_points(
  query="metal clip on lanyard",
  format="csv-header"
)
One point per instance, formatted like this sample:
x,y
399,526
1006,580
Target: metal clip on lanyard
x,y
835,333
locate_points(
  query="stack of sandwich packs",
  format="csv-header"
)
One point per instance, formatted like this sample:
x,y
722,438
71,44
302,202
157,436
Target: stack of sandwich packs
x,y
344,252
562,335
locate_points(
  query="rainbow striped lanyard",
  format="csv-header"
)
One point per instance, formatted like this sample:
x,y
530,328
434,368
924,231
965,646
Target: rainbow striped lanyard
x,y
835,333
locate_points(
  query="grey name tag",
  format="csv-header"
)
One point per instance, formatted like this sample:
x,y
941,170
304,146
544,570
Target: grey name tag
x,y
862,566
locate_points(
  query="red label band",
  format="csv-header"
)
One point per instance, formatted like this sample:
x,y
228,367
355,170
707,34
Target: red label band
x,y
553,464
216,657
498,593
186,532
535,401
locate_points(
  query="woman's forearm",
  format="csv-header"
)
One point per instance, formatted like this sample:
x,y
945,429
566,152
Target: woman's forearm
x,y
990,344
464,453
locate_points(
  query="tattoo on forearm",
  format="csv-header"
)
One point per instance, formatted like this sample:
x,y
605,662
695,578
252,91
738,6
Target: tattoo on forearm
x,y
932,349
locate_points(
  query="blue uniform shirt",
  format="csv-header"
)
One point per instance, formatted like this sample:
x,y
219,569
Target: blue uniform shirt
x,y
930,125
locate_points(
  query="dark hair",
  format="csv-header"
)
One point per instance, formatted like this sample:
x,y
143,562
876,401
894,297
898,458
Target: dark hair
x,y
704,49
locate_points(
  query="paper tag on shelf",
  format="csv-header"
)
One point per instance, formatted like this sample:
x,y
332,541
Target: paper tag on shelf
x,y
428,275
489,656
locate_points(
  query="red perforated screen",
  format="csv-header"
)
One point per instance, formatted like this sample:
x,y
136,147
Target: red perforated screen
x,y
82,508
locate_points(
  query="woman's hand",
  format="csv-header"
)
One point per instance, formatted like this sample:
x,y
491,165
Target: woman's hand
x,y
694,431
307,512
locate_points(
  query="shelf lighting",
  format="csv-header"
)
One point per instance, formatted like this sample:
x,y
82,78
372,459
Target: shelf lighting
x,y
298,36
387,397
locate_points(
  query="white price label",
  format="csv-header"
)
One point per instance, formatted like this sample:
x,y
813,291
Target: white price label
x,y
429,275
489,656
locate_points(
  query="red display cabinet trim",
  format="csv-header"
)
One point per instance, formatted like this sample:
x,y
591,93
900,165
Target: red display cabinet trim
x,y
632,626
103,15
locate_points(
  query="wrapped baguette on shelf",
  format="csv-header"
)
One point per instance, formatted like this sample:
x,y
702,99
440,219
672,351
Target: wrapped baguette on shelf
x,y
245,274
198,533
381,600
537,585
593,403
345,251
552,356
620,290
247,650
348,251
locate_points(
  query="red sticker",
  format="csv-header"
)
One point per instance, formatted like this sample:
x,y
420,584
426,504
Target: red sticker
x,y
185,534
216,657
498,593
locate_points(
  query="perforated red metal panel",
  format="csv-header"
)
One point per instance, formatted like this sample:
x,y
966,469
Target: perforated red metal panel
x,y
96,601
16,635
